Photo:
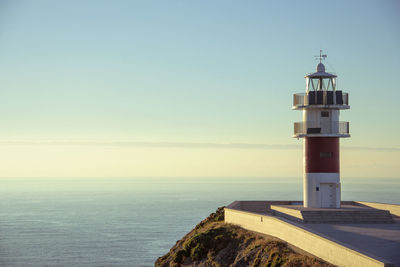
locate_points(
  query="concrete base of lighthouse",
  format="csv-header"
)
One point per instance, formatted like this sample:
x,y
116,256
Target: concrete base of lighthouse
x,y
357,234
321,190
348,213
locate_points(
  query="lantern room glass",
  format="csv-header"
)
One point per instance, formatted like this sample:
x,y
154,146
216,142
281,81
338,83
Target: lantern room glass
x,y
319,83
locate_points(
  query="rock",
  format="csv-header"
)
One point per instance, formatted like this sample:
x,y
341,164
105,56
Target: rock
x,y
215,243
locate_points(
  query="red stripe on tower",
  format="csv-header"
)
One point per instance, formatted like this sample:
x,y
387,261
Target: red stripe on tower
x,y
321,154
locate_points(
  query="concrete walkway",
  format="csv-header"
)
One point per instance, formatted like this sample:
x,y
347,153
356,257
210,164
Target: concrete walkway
x,y
382,240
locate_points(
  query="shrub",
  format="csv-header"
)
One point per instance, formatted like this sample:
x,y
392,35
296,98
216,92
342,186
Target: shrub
x,y
213,240
274,259
178,257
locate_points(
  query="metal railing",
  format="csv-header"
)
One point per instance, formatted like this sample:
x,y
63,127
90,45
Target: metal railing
x,y
314,127
344,127
301,99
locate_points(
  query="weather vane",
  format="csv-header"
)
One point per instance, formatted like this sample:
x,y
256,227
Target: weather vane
x,y
321,56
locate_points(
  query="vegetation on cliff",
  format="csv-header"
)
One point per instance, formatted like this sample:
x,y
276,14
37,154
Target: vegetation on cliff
x,y
215,243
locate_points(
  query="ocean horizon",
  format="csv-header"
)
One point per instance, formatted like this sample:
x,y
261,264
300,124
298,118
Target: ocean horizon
x,y
132,221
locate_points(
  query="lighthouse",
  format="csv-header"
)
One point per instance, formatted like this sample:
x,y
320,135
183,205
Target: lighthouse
x,y
321,130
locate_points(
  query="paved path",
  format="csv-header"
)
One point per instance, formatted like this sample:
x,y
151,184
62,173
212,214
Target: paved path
x,y
382,240
376,240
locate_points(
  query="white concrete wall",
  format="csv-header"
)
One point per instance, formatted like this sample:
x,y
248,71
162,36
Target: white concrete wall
x,y
334,115
317,245
312,117
312,197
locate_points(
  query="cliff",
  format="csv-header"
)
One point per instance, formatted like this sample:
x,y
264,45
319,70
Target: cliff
x,y
215,243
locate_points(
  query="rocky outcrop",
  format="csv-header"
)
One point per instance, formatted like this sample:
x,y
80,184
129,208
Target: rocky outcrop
x,y
214,243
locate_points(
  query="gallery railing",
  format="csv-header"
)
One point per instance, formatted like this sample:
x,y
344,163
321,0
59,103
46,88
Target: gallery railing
x,y
313,127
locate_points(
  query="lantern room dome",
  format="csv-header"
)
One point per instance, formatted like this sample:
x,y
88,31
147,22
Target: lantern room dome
x,y
320,73
320,67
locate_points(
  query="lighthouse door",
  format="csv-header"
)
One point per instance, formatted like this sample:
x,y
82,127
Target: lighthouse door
x,y
328,195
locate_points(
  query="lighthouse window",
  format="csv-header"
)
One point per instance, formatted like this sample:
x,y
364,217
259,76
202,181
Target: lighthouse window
x,y
325,154
324,113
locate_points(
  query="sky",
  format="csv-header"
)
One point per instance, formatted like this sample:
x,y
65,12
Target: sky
x,y
190,88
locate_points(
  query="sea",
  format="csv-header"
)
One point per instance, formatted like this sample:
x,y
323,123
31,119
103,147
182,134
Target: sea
x,y
132,221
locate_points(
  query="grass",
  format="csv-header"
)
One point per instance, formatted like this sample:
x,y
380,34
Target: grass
x,y
215,243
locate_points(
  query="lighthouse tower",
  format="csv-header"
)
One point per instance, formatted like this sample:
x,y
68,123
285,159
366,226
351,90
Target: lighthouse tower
x,y
321,130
